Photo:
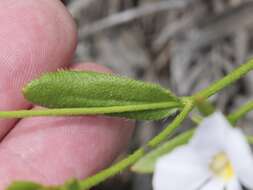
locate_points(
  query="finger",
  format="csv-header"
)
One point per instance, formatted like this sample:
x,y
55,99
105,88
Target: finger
x,y
52,150
35,37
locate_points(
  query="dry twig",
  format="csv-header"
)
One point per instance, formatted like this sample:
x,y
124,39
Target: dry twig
x,y
227,23
129,15
75,7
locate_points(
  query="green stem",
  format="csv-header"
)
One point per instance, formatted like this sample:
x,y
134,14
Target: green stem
x,y
87,111
147,163
115,169
203,94
173,126
240,112
250,139
125,163
227,80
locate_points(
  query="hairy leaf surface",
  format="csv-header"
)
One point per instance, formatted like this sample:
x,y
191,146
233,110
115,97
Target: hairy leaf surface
x,y
76,89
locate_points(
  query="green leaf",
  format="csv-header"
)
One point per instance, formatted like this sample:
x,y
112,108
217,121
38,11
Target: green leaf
x,y
78,89
147,163
147,115
24,185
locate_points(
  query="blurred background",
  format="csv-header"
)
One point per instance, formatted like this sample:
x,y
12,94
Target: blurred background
x,y
183,45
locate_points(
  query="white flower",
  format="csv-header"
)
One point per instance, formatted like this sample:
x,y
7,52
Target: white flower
x,y
218,157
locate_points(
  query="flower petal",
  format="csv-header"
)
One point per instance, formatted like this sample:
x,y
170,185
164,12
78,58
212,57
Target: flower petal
x,y
180,169
239,152
233,185
214,184
210,135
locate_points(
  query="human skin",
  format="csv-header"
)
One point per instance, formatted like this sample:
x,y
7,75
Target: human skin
x,y
38,37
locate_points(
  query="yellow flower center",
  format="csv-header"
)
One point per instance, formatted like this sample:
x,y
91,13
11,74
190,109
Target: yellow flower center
x,y
222,167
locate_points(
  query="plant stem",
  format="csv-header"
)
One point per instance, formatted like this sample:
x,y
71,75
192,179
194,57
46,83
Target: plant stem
x,y
227,80
240,112
125,163
250,139
147,163
115,169
203,94
87,111
174,125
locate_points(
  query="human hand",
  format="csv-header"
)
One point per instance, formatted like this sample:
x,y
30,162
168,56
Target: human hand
x,y
37,37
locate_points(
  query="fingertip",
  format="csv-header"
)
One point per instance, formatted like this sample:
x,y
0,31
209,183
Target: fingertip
x,y
62,148
35,37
